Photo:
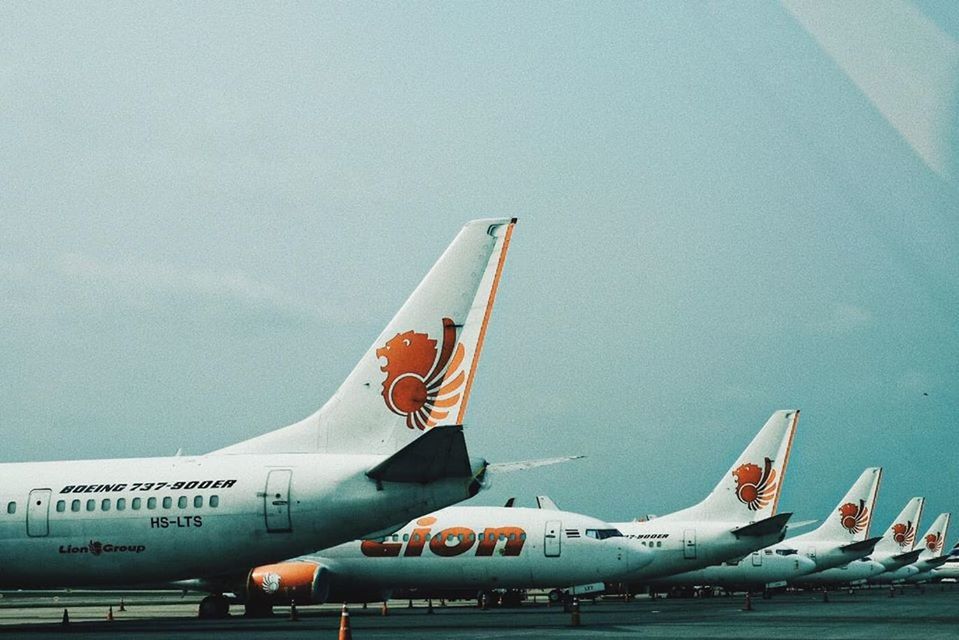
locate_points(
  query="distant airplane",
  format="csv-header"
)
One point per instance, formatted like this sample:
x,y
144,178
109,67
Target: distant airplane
x,y
841,538
950,567
890,553
385,448
931,555
736,518
458,551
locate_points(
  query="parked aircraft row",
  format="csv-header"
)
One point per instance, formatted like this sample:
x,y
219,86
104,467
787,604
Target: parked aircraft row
x,y
369,480
732,539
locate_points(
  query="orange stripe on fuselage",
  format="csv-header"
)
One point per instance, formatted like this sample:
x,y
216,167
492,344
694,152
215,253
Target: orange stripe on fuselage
x,y
482,331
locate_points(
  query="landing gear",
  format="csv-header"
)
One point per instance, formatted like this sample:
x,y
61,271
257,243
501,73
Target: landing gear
x,y
555,596
214,607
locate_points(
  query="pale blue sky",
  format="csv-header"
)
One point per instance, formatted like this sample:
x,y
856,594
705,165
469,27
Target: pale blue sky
x,y
210,210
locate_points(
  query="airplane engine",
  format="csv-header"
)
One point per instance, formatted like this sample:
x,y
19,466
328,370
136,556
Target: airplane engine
x,y
286,582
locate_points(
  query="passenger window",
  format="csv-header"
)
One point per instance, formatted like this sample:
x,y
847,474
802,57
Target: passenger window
x,y
181,502
91,505
105,505
151,503
121,504
512,536
406,537
11,507
135,504
522,536
214,501
61,506
168,502
427,537
75,506
198,502
659,543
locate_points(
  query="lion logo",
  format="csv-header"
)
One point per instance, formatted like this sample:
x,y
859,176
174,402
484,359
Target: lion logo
x,y
904,534
854,517
755,487
271,583
934,542
422,384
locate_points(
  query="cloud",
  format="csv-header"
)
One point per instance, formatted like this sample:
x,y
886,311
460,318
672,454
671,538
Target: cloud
x,y
78,282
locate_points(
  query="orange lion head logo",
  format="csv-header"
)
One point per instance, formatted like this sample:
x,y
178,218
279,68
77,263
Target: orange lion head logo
x,y
854,517
904,534
422,384
755,486
934,541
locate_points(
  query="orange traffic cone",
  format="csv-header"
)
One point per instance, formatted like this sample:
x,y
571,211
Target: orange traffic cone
x,y
346,633
575,620
825,595
748,605
110,614
294,616
122,608
385,609
66,618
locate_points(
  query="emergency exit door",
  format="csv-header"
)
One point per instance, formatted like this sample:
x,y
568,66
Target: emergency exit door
x,y
551,539
689,544
38,513
276,501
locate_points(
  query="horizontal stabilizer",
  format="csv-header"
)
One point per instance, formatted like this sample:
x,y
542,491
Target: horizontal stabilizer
x,y
546,503
801,524
763,527
438,453
523,465
509,503
908,557
866,545
938,561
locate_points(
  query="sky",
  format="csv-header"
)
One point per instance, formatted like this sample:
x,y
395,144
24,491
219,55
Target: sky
x,y
209,211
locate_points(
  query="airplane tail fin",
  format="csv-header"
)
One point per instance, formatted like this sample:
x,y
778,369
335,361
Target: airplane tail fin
x,y
851,518
750,490
934,542
900,537
419,372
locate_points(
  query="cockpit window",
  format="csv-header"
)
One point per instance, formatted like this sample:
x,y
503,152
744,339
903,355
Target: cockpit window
x,y
786,552
602,534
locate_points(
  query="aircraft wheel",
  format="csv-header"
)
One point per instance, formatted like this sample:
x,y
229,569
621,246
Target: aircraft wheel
x,y
555,596
214,607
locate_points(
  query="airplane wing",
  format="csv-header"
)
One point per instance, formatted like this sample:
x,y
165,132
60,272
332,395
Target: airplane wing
x,y
546,503
523,465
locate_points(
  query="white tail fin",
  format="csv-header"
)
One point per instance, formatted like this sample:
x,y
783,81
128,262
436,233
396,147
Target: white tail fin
x,y
750,490
419,371
934,542
849,521
900,537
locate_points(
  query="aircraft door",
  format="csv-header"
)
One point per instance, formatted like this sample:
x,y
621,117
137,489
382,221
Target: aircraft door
x,y
38,513
276,501
757,558
689,544
551,538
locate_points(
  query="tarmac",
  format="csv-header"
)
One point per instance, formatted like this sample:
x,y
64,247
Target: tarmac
x,y
930,613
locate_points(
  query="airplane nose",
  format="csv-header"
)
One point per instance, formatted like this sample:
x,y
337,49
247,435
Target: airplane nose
x,y
637,556
875,568
804,565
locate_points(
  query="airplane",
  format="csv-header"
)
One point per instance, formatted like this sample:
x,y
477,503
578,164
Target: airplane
x,y
457,551
841,538
950,567
890,553
932,555
736,518
387,446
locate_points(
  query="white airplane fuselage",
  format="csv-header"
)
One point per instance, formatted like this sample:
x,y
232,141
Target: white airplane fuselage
x,y
457,548
143,520
854,572
681,546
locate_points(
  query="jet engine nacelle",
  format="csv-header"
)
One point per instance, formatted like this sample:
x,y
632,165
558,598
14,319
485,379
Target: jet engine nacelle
x,y
286,582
